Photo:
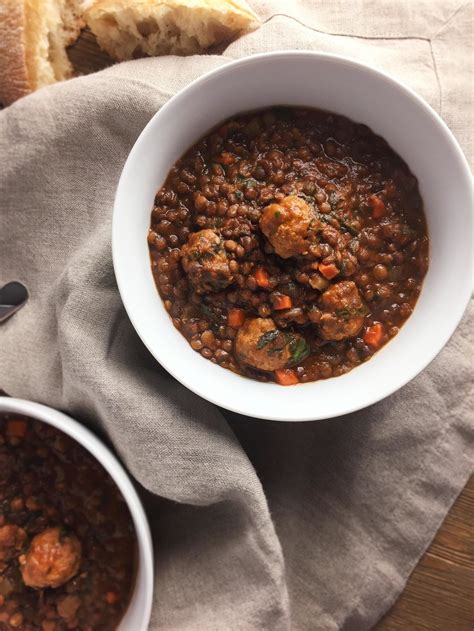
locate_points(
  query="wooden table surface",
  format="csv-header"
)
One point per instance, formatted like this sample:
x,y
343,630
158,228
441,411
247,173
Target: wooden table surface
x,y
439,595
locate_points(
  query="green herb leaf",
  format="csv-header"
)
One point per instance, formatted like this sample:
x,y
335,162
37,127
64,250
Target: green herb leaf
x,y
267,338
290,288
207,312
207,255
215,317
344,313
251,182
343,224
299,350
275,349
347,226
348,312
248,182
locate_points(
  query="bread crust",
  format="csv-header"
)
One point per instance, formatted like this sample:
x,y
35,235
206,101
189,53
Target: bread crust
x,y
33,28
183,26
26,52
239,7
14,79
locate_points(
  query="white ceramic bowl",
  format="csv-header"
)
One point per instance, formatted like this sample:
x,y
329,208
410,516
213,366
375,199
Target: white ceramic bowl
x,y
365,95
138,613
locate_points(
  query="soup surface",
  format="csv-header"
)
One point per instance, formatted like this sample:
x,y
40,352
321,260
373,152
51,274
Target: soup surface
x,y
289,244
67,542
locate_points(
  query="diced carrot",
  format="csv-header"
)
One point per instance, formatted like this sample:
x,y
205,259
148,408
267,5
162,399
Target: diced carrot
x,y
262,277
226,158
286,377
378,207
373,335
281,301
16,427
236,317
328,271
111,597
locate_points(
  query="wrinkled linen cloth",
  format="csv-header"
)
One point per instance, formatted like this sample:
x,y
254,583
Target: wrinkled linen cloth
x,y
257,525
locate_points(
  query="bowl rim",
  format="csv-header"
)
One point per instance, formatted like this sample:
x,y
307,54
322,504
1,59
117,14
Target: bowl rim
x,y
102,453
456,312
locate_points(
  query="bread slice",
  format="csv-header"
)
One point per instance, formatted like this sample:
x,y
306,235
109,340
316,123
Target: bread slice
x,y
33,38
132,28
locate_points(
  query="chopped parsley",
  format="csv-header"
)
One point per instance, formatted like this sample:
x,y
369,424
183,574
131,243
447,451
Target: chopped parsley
x,y
216,319
267,338
347,312
347,226
207,312
299,350
248,182
290,288
343,224
298,346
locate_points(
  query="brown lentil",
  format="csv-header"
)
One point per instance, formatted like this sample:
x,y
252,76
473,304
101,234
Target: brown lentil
x,y
367,228
53,493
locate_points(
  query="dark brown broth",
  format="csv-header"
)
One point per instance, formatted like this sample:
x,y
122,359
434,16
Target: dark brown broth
x,y
369,222
49,481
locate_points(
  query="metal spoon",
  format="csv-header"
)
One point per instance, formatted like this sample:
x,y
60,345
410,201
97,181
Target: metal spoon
x,y
13,296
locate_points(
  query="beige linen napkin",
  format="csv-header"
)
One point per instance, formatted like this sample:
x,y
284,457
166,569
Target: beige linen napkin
x,y
257,525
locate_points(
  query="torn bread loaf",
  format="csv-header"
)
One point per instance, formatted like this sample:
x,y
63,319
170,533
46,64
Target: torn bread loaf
x,y
127,29
33,37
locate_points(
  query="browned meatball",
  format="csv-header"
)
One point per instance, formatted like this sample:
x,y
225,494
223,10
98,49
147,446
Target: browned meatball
x,y
261,345
51,560
288,225
205,262
12,538
343,311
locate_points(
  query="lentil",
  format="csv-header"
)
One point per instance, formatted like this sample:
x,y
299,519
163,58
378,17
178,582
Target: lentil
x,y
66,535
326,214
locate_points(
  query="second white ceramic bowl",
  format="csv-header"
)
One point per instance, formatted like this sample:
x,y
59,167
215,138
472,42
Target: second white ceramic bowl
x,y
137,616
365,95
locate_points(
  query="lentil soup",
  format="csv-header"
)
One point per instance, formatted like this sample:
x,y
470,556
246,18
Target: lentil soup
x,y
67,541
289,244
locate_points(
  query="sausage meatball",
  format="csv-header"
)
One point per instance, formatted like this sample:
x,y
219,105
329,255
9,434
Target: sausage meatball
x,y
261,345
12,538
51,560
343,311
288,226
205,262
